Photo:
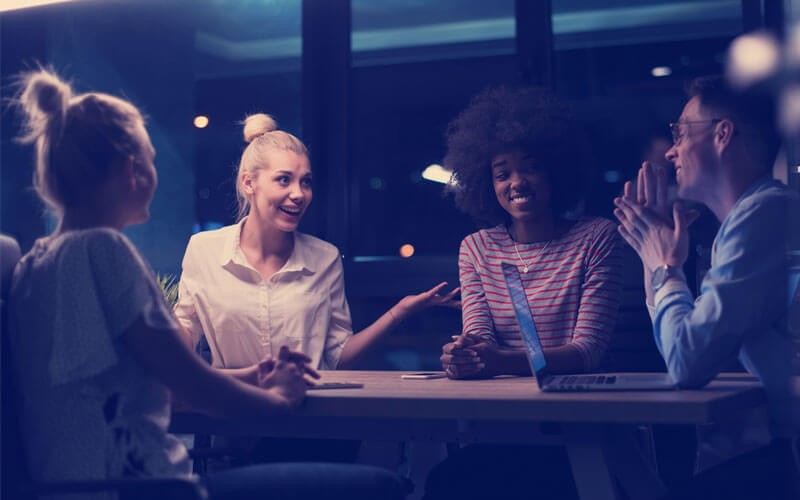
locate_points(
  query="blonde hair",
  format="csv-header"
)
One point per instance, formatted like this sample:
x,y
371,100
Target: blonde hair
x,y
77,137
262,134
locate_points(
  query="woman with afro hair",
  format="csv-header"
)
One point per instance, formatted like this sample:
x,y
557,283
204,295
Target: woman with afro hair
x,y
517,158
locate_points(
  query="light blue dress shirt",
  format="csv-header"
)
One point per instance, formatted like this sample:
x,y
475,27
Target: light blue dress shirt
x,y
741,312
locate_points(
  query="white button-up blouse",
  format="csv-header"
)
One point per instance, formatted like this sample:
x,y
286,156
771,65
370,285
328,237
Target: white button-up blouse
x,y
245,318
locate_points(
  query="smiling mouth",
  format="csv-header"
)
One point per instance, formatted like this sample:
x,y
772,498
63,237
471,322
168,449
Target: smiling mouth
x,y
294,212
521,198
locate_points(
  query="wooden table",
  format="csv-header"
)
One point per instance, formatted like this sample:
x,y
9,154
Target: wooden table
x,y
594,426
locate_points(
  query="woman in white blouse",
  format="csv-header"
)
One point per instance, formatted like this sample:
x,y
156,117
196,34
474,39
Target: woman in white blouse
x,y
259,284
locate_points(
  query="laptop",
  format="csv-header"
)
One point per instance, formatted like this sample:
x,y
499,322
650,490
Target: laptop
x,y
568,383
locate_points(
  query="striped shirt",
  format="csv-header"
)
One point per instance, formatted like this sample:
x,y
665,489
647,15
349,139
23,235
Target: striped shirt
x,y
573,286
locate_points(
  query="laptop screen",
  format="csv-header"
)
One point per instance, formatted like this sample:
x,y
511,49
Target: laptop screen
x,y
527,327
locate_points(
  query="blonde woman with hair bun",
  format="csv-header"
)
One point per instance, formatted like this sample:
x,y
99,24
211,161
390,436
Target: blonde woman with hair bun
x,y
95,350
260,283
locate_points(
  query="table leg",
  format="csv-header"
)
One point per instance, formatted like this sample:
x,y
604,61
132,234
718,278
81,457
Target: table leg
x,y
600,454
591,472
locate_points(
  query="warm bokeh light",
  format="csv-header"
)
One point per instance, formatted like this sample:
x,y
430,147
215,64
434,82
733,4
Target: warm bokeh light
x,y
437,173
660,71
406,250
201,121
7,5
752,58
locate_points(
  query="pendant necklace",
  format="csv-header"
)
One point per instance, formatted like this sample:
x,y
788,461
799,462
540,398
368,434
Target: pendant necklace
x,y
525,266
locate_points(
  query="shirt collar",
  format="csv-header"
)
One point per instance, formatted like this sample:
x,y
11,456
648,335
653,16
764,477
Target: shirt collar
x,y
231,251
757,186
302,257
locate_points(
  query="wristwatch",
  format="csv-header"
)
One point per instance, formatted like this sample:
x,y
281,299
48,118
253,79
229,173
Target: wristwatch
x,y
662,273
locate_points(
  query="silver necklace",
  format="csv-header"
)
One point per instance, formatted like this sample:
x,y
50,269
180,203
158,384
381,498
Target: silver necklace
x,y
525,266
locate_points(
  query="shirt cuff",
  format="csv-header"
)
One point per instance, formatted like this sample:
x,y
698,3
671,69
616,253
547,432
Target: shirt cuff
x,y
671,286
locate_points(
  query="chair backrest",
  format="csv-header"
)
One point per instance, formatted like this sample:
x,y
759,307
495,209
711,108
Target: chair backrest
x,y
632,347
12,464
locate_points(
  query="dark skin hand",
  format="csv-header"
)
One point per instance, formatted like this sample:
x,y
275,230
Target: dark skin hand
x,y
472,356
460,358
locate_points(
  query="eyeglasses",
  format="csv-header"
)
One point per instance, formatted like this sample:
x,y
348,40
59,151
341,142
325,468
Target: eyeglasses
x,y
677,132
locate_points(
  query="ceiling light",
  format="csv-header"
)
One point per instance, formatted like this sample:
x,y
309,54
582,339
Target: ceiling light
x,y
660,71
437,173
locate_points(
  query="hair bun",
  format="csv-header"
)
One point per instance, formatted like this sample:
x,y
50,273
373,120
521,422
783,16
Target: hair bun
x,y
47,92
258,125
43,101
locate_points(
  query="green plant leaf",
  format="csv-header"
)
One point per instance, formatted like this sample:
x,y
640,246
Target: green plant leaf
x,y
169,286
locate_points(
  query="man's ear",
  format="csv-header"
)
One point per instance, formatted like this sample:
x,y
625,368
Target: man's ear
x,y
723,133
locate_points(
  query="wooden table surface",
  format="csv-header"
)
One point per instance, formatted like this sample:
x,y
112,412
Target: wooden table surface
x,y
386,395
592,425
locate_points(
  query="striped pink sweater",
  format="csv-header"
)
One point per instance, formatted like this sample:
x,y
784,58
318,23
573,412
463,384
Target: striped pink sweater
x,y
573,287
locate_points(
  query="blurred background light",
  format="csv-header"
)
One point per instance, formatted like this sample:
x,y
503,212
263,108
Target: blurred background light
x,y
437,173
612,176
377,183
660,71
201,121
752,58
406,250
789,109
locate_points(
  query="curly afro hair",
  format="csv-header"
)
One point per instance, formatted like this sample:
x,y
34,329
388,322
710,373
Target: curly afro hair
x,y
499,120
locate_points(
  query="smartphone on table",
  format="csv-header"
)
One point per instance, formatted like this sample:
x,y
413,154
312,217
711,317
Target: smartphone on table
x,y
335,385
423,375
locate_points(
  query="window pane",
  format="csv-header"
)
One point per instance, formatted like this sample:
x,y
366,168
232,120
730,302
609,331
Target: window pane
x,y
400,31
624,64
175,60
405,89
248,60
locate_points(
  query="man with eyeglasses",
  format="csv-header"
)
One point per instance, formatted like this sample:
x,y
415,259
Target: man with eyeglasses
x,y
724,148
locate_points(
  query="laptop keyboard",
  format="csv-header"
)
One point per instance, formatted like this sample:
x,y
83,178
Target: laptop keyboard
x,y
588,379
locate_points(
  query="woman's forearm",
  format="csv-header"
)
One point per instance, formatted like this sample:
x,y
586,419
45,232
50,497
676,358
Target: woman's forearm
x,y
513,363
361,343
564,359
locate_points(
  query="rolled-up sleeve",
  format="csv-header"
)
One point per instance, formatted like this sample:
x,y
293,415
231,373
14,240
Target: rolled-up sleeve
x,y
340,323
185,310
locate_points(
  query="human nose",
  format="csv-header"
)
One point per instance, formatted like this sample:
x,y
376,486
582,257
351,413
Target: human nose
x,y
517,179
671,153
296,193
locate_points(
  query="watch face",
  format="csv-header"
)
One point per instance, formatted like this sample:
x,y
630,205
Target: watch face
x,y
659,277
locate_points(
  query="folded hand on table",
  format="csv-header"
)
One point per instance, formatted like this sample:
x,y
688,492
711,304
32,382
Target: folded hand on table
x,y
471,356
